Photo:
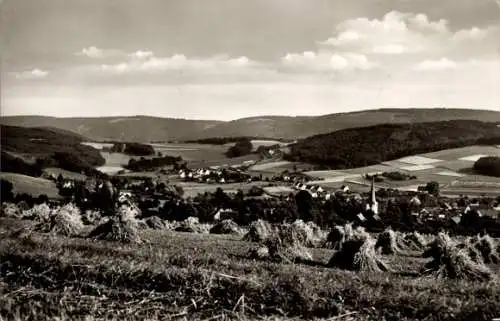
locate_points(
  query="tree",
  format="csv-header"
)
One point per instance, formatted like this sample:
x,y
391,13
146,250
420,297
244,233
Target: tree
x,y
241,148
432,188
489,165
305,205
6,188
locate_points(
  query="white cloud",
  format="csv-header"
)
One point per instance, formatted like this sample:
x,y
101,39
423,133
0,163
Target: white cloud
x,y
177,62
97,53
324,61
31,74
441,64
405,33
390,49
142,54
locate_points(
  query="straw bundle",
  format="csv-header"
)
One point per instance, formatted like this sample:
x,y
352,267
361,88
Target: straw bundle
x,y
451,261
259,230
358,254
155,223
390,242
226,227
117,229
64,221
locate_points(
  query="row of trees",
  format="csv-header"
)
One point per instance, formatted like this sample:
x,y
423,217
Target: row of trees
x,y
148,164
135,149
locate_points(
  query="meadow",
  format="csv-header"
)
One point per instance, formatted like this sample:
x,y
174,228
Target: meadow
x,y
34,186
186,276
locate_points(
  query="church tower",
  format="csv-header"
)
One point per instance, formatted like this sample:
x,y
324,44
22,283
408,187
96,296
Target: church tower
x,y
372,202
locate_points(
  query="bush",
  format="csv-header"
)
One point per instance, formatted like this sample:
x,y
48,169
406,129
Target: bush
x,y
488,166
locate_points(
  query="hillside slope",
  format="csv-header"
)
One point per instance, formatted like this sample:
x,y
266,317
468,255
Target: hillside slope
x,y
148,129
358,147
133,129
28,150
302,127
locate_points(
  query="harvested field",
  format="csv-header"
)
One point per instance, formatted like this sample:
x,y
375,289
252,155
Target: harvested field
x,y
278,190
418,160
417,167
201,276
269,166
472,158
457,153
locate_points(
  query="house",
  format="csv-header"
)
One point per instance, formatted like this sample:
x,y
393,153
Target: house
x,y
225,214
361,217
415,201
456,219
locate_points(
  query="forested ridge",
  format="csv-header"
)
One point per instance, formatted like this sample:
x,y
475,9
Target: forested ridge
x,y
358,147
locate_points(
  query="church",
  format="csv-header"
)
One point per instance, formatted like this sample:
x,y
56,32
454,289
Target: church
x,y
372,204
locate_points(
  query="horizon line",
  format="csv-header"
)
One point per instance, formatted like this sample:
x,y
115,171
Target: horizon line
x,y
256,116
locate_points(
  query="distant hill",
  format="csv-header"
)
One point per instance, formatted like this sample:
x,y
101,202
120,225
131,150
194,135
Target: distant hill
x,y
150,129
132,129
301,127
358,147
29,150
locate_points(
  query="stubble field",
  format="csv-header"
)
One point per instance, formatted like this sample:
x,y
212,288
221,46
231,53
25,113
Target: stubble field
x,y
185,276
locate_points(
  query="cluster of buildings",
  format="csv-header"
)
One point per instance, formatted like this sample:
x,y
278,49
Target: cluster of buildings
x,y
214,176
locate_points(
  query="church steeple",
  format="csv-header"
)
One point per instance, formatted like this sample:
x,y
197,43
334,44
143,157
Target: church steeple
x,y
372,191
372,202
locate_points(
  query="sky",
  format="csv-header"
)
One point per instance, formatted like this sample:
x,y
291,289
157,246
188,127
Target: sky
x,y
228,59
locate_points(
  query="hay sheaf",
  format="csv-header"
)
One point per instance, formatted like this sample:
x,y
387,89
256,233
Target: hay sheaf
x,y
90,217
390,242
359,254
193,225
11,210
483,249
282,245
226,227
117,229
415,241
259,231
340,234
310,234
39,213
65,221
276,250
449,260
155,223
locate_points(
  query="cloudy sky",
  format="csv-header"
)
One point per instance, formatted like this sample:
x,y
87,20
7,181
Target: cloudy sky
x,y
226,59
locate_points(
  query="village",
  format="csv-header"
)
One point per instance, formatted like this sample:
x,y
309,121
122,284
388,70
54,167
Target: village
x,y
377,208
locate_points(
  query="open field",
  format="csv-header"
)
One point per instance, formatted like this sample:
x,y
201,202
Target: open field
x,y
65,174
202,276
446,167
256,143
31,185
192,189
